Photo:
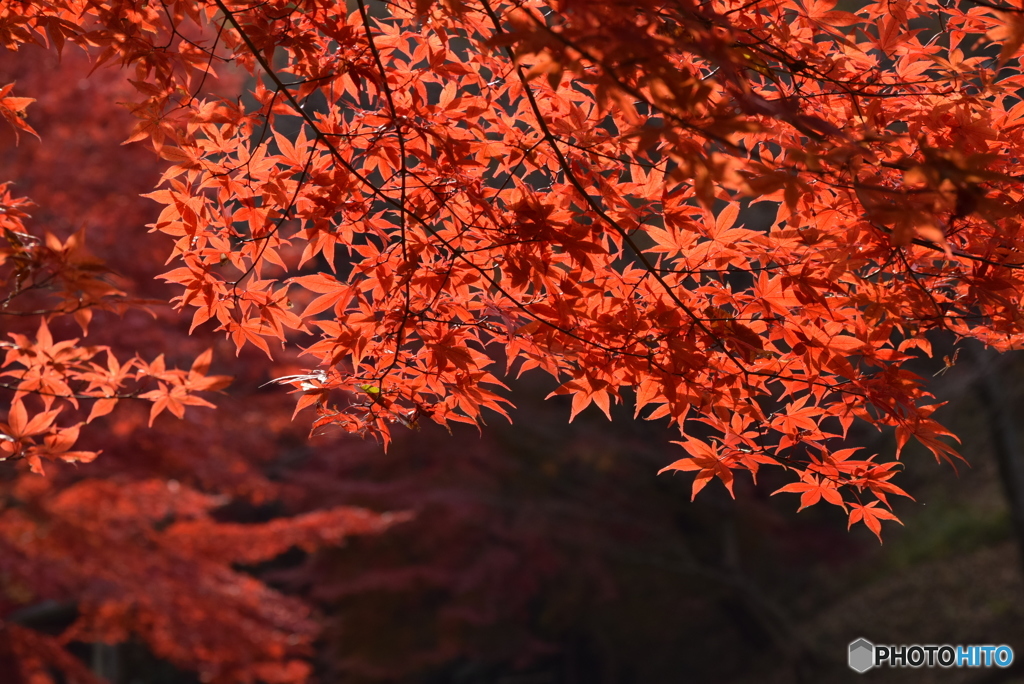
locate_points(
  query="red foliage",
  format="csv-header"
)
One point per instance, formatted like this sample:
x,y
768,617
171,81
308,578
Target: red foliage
x,y
135,545
739,216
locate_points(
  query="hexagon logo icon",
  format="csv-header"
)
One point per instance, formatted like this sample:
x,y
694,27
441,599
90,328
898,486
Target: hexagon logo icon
x,y
862,655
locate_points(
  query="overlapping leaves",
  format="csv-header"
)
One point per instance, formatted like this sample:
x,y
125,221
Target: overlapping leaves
x,y
573,186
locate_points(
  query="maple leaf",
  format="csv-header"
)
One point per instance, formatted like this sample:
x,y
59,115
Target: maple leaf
x,y
871,516
706,461
20,425
584,392
13,109
813,488
1010,32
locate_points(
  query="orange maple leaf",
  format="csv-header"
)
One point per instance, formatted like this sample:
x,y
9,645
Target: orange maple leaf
x,y
813,489
13,109
872,516
706,460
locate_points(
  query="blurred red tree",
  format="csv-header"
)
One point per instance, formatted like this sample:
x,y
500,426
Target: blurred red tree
x,y
737,215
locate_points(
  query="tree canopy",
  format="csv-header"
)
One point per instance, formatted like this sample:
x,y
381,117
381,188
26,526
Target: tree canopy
x,y
741,218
